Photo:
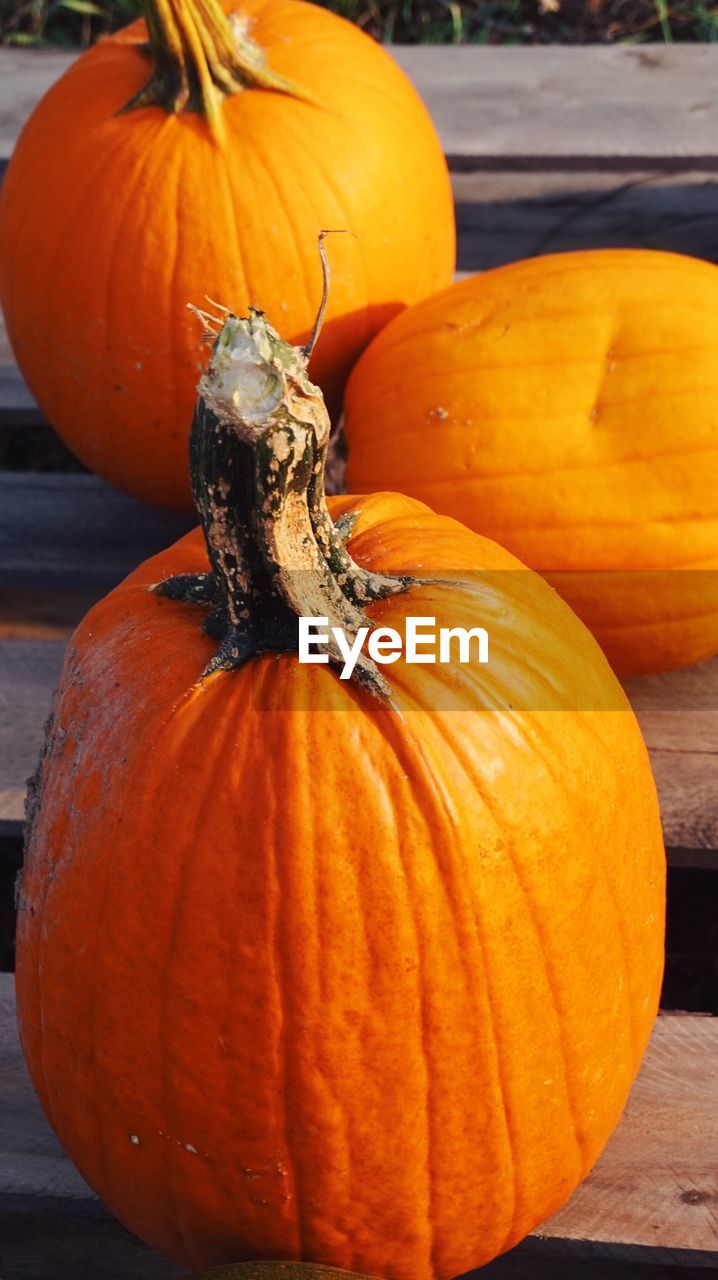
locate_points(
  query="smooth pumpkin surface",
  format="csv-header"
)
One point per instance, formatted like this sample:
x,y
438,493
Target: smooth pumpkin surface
x,y
566,406
110,223
301,975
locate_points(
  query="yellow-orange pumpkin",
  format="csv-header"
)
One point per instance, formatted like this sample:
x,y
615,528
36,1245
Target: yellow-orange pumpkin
x,y
111,221
566,406
306,970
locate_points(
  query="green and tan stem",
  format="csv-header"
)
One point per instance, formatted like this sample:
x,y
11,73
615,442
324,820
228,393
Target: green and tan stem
x,y
200,56
257,452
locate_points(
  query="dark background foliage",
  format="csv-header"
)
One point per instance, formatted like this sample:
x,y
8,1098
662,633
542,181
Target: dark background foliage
x,y
79,22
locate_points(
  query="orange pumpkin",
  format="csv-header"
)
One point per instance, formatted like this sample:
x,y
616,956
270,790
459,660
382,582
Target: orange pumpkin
x,y
568,407
110,221
356,972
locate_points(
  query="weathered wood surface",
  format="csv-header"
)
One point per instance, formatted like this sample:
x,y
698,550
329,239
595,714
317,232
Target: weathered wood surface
x,y
653,1189
657,1182
502,217
17,405
678,713
25,75
29,671
508,106
74,531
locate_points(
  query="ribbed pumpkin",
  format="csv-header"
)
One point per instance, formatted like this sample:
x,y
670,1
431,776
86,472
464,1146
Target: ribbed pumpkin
x,y
350,972
566,406
110,221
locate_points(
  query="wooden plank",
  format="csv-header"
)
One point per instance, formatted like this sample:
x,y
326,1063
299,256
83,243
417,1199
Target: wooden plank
x,y
6,356
654,1187
503,217
612,105
51,1239
29,614
506,107
31,1159
29,673
657,1183
17,406
76,532
25,75
678,713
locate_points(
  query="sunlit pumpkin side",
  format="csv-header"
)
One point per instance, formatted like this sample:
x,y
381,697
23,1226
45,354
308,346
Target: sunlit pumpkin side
x,y
566,406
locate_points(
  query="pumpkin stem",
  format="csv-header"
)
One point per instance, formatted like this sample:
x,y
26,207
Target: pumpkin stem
x,y
257,453
199,56
326,277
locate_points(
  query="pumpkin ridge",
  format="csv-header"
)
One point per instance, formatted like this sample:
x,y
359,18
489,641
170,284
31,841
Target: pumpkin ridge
x,y
179,309
101,1135
498,477
540,935
403,749
621,933
362,880
289,221
278,969
283,983
105,164
539,930
552,988
408,750
589,726
335,191
491,1019
576,525
180,897
243,259
147,164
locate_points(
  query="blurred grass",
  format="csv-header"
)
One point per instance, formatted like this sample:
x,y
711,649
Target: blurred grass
x,y
78,22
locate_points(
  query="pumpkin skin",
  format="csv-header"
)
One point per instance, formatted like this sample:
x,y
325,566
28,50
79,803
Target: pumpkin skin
x,y
110,223
566,406
299,976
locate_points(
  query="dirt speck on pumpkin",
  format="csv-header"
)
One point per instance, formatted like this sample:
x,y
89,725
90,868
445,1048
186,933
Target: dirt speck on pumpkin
x,y
438,414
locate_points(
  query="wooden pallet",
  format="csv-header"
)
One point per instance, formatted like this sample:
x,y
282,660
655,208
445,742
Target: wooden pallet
x,y
549,149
